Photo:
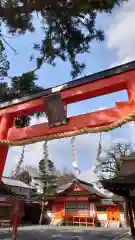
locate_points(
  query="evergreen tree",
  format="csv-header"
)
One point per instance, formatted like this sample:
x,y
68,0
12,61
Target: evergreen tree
x,y
25,177
4,64
47,179
69,27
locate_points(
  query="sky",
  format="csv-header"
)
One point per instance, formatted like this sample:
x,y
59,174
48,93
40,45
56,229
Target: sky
x,y
118,48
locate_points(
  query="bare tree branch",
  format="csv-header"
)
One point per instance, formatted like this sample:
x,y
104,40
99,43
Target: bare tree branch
x,y
113,162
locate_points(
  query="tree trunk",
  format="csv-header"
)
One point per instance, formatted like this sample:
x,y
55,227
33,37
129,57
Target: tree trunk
x,y
42,213
126,216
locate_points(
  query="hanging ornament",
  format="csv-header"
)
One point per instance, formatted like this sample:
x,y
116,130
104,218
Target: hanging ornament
x,y
46,157
102,157
74,152
18,168
74,164
101,175
99,150
94,169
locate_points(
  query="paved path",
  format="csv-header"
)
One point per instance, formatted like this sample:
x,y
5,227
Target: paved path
x,y
62,233
128,237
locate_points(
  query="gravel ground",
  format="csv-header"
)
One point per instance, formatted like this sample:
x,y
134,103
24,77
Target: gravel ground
x,y
62,233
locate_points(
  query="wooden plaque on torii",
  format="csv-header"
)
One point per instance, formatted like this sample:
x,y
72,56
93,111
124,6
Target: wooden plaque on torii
x,y
60,126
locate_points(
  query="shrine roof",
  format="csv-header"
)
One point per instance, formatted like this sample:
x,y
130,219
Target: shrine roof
x,y
84,185
90,78
91,189
127,179
16,183
63,187
120,185
4,190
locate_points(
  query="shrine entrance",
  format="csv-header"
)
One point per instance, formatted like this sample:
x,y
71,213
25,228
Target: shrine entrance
x,y
54,102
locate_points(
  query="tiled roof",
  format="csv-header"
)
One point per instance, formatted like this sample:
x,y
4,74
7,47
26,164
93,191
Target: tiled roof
x,y
91,189
15,183
117,198
63,187
88,186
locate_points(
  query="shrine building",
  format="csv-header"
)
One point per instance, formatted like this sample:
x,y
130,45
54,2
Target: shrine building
x,y
79,203
12,188
124,185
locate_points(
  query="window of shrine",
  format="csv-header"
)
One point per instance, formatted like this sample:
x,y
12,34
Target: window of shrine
x,y
76,207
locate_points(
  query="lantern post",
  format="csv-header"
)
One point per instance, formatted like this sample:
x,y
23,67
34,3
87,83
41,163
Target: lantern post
x,y
16,214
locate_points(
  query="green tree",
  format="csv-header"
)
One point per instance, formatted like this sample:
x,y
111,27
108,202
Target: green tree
x,y
111,164
4,67
69,28
4,64
25,177
21,86
47,179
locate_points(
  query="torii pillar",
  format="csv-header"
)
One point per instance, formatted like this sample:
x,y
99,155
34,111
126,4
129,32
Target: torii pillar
x,y
6,122
59,125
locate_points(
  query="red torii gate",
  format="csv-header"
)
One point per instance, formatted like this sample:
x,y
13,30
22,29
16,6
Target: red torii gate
x,y
105,82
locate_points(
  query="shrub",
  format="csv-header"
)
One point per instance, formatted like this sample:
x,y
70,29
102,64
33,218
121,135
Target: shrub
x,y
97,224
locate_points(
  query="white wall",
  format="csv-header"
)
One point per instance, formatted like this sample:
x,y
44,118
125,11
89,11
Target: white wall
x,y
92,209
122,217
102,216
21,191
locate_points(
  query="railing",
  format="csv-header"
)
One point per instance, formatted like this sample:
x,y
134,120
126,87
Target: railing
x,y
80,220
78,214
75,218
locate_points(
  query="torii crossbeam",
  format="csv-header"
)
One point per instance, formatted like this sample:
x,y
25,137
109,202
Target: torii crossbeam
x,y
55,100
